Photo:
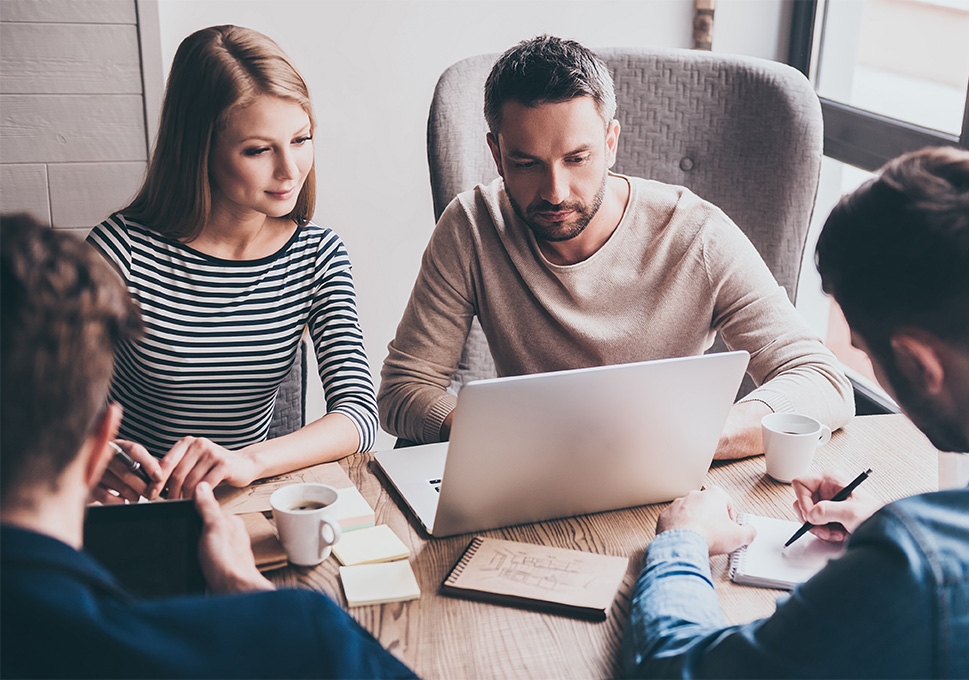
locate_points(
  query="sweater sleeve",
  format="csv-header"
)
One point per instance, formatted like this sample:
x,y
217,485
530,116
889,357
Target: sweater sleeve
x,y
338,341
793,369
413,397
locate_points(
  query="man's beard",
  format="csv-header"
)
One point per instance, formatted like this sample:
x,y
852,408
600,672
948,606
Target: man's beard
x,y
563,231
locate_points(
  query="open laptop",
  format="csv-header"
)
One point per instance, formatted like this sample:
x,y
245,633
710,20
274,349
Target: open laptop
x,y
548,445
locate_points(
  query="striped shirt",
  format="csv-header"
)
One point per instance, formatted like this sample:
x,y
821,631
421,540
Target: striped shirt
x,y
222,334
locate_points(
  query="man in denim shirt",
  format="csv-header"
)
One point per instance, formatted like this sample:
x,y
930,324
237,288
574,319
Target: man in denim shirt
x,y
895,255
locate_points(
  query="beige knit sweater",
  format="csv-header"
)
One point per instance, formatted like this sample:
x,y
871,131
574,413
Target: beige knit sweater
x,y
674,272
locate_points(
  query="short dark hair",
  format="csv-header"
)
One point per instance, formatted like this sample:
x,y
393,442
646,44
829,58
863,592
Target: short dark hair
x,y
63,311
895,252
546,70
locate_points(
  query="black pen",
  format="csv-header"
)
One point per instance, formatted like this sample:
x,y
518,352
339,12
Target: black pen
x,y
132,465
840,496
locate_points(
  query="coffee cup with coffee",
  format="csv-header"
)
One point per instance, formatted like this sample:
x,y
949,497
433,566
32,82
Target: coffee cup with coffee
x,y
953,470
790,440
306,521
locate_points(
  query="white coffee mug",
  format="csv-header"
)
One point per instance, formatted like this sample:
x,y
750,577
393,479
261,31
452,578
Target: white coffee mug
x,y
306,521
953,470
790,440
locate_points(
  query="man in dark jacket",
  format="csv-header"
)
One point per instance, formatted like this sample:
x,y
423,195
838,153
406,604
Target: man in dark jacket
x,y
64,311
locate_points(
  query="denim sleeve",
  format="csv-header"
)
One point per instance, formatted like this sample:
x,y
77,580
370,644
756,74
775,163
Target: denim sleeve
x,y
673,605
871,613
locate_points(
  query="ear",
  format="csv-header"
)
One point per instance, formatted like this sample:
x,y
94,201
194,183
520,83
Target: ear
x,y
97,447
612,142
495,152
918,356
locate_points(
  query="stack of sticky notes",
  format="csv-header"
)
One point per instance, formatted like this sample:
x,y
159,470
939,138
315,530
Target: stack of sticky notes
x,y
366,546
352,510
379,583
376,568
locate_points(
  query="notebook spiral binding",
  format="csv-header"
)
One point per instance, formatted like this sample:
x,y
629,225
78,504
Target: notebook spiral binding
x,y
465,558
737,556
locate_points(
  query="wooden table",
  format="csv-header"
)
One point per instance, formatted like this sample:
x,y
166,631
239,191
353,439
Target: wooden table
x,y
444,637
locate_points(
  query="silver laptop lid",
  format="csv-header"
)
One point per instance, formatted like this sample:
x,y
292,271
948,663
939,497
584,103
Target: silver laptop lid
x,y
542,446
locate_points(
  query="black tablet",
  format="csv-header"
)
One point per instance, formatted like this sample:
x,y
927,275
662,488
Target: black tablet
x,y
151,548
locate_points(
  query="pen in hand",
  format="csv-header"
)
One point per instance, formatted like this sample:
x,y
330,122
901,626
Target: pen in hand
x,y
132,465
838,497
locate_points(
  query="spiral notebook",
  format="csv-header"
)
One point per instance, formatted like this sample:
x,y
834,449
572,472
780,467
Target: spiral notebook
x,y
555,580
768,564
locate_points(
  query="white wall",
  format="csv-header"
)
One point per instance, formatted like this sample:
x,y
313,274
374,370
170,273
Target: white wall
x,y
372,65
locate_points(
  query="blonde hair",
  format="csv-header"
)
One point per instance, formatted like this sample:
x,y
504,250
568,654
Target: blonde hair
x,y
215,71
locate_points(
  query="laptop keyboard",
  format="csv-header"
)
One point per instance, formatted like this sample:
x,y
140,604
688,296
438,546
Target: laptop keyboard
x,y
436,483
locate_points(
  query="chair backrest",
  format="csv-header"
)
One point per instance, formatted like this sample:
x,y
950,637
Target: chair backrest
x,y
289,413
740,132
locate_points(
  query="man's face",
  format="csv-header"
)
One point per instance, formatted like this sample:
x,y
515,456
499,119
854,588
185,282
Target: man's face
x,y
943,427
554,159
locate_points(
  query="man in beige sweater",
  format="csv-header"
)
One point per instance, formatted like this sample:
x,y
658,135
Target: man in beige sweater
x,y
568,265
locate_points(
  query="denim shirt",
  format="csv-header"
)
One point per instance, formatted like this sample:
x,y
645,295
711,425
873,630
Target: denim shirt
x,y
895,605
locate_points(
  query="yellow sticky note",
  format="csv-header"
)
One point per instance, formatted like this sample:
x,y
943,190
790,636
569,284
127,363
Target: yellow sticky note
x,y
366,546
378,583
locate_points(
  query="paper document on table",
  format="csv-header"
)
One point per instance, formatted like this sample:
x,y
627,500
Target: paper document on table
x,y
255,497
768,564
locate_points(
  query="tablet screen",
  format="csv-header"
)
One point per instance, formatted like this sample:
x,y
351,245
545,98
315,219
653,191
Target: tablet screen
x,y
150,548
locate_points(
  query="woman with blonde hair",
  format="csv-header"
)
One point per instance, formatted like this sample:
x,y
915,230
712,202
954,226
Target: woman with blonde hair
x,y
219,250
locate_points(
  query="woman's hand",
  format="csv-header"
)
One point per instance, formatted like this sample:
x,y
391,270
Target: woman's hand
x,y
196,459
832,521
120,484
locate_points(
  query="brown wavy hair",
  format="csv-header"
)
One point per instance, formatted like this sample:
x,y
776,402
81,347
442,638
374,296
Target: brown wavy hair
x,y
63,312
215,71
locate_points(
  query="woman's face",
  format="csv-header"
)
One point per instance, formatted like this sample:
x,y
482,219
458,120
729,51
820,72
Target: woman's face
x,y
260,160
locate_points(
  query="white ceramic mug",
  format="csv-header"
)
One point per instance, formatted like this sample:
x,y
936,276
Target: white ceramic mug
x,y
790,440
306,521
953,470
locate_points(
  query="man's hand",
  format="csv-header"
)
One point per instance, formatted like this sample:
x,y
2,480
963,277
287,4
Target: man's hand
x,y
446,426
742,435
119,484
193,460
832,521
710,514
225,551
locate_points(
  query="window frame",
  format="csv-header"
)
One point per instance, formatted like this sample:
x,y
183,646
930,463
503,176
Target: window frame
x,y
863,139
853,135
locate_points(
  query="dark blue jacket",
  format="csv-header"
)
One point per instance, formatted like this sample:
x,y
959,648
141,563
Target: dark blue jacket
x,y
62,615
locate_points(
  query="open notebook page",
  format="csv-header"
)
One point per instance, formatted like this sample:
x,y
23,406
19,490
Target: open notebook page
x,y
767,563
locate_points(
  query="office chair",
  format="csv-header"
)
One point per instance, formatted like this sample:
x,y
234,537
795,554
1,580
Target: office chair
x,y
742,133
289,413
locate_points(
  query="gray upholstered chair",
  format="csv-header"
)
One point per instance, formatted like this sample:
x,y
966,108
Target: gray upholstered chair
x,y
743,133
290,412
